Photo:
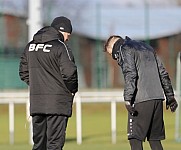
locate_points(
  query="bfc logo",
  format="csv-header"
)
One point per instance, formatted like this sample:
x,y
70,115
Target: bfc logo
x,y
36,47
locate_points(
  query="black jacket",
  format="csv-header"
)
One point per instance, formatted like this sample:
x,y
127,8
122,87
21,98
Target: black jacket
x,y
144,74
47,66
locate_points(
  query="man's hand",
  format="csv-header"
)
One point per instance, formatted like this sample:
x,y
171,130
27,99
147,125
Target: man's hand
x,y
172,104
130,108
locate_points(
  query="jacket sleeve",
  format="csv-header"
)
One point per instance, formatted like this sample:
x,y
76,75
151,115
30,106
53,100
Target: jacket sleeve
x,y
130,73
165,80
68,70
23,68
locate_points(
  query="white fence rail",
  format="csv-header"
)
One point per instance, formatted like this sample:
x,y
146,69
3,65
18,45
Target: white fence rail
x,y
97,97
112,97
12,98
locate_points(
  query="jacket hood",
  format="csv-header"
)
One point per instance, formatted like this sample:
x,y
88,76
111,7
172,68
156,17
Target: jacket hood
x,y
47,34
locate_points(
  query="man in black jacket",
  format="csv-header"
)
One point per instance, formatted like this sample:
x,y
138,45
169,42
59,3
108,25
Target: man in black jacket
x,y
145,82
47,66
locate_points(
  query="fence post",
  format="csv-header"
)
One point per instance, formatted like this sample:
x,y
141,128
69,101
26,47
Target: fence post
x,y
29,119
178,94
113,121
11,122
78,119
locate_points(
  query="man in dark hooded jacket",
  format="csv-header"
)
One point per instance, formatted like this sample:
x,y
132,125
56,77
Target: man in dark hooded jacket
x,y
145,82
47,66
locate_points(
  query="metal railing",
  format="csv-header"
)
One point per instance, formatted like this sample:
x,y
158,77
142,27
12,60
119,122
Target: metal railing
x,y
112,97
12,98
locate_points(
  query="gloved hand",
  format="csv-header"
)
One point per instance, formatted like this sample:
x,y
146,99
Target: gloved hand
x,y
172,103
130,108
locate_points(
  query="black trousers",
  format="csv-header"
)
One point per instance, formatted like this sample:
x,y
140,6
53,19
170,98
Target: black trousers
x,y
49,132
138,145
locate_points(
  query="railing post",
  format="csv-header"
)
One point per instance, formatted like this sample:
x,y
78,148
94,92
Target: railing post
x,y
178,96
78,119
113,121
29,119
11,122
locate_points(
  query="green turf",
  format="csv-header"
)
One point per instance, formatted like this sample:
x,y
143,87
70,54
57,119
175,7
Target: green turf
x,y
96,129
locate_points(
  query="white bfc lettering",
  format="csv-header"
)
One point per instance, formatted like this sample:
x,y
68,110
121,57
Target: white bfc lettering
x,y
39,46
45,48
36,47
32,47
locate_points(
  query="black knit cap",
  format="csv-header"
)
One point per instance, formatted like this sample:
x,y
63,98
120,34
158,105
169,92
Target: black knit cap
x,y
62,23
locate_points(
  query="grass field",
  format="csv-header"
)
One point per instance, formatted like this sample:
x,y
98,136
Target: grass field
x,y
96,129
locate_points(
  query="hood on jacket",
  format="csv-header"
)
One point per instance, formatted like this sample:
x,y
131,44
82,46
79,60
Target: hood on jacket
x,y
46,34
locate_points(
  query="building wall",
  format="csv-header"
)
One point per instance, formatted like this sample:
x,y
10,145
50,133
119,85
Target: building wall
x,y
167,49
13,36
96,69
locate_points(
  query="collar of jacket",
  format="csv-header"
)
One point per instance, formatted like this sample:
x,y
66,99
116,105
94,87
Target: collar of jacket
x,y
60,35
116,49
61,38
127,38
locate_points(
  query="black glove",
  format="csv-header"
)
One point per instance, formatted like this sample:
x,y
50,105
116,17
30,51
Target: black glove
x,y
131,109
172,103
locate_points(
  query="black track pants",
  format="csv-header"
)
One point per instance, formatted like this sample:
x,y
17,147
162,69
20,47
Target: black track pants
x,y
49,132
156,145
138,145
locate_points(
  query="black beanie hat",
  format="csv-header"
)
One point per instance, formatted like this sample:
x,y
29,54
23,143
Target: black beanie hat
x,y
63,24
